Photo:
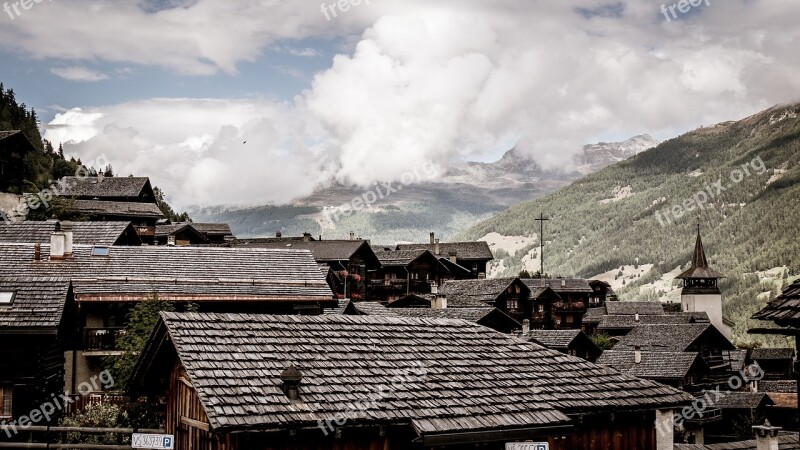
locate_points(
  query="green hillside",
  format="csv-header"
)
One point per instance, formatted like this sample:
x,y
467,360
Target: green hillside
x,y
750,226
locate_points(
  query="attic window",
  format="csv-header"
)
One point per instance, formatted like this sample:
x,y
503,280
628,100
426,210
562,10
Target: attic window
x,y
101,251
6,298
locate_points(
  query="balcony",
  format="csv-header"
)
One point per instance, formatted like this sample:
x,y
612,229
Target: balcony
x,y
102,341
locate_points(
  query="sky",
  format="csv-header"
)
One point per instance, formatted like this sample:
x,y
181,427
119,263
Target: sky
x,y
248,102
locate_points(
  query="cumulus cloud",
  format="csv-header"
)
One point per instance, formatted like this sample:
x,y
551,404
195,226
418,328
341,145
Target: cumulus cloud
x,y
423,83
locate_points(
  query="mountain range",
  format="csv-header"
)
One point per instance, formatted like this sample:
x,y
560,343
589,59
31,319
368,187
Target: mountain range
x,y
465,194
634,222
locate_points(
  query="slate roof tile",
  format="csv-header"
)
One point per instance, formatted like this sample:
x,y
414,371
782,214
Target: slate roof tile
x,y
85,233
38,302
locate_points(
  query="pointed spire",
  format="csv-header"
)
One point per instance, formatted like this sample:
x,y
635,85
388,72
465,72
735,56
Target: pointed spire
x,y
699,260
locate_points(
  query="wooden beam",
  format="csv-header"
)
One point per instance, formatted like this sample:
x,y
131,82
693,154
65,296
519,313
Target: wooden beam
x,y
195,424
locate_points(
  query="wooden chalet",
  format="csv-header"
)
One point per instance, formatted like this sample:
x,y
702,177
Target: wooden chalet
x,y
108,281
84,233
739,410
777,363
682,370
568,308
190,233
406,272
14,145
115,199
486,316
180,234
571,342
240,381
472,256
353,265
601,293
784,311
37,327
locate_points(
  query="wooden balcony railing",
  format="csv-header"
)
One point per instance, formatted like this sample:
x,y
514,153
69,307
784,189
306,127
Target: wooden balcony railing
x,y
102,339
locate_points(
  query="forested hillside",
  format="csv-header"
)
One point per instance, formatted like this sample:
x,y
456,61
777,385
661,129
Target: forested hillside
x,y
609,219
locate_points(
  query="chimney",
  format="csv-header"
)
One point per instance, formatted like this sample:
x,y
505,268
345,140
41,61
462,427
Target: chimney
x,y
526,327
306,237
454,257
665,429
100,176
766,436
436,248
352,236
37,252
290,382
439,302
278,234
563,282
57,243
637,354
171,240
66,227
433,238
434,288
636,316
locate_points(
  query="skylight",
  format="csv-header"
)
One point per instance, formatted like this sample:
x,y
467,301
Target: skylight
x,y
6,298
101,251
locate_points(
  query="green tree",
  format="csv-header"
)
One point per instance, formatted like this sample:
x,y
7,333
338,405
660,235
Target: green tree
x,y
602,340
142,319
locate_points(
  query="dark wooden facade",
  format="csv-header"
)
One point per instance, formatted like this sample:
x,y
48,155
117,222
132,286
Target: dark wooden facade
x,y
416,275
14,145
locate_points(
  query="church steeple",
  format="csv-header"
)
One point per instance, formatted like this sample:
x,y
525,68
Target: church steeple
x,y
700,274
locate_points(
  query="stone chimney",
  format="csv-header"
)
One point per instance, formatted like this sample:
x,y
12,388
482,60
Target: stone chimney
x,y
636,316
563,282
57,243
352,236
439,302
290,382
637,354
454,257
433,238
766,436
436,249
37,252
66,227
665,429
306,237
526,327
434,289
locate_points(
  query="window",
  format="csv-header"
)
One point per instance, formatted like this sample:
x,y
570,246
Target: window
x,y
6,395
541,308
6,298
101,251
512,303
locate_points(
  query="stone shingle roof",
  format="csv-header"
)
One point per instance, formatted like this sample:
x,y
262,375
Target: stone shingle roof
x,y
665,337
398,257
628,321
785,309
213,229
785,442
741,400
120,209
632,308
473,379
594,315
179,274
328,251
699,267
469,314
474,293
554,339
85,233
37,302
559,284
477,251
772,353
108,187
654,365
779,386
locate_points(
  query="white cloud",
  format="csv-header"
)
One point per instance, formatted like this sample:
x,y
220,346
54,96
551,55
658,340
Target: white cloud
x,y
78,73
425,83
